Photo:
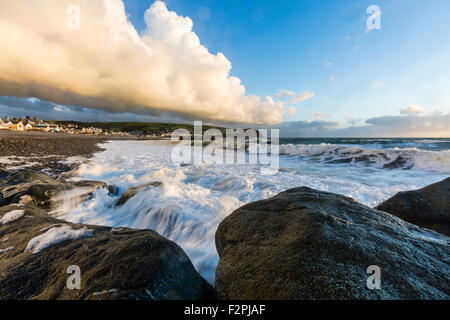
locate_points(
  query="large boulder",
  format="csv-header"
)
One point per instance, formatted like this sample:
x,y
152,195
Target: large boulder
x,y
307,244
428,207
36,251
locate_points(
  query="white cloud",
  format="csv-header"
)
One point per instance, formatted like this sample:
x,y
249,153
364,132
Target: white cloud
x,y
292,111
317,115
331,78
107,65
320,115
293,97
62,108
412,109
328,64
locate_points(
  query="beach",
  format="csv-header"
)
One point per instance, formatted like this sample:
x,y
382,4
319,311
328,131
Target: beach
x,y
45,150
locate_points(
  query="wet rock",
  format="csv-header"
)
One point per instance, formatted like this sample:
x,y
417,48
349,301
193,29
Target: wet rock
x,y
114,264
307,244
131,192
341,161
3,174
113,190
42,189
428,207
26,176
399,162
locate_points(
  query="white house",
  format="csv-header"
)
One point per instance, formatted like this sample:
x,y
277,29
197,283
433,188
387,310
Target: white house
x,y
28,126
3,125
54,128
17,126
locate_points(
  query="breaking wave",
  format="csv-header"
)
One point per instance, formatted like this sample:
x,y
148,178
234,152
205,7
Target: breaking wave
x,y
395,158
191,200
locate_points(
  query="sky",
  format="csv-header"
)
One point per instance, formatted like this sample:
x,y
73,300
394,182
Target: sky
x,y
311,68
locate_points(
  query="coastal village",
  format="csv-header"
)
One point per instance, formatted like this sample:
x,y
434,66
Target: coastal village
x,y
35,124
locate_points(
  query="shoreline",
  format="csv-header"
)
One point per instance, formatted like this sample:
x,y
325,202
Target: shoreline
x,y
44,150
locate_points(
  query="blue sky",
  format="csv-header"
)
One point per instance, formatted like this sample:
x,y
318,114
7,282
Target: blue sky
x,y
345,79
276,45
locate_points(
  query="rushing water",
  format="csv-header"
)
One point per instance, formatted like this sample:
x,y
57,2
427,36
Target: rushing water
x,y
193,199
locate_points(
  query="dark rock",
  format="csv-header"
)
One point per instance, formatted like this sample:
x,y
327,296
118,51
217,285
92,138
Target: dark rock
x,y
113,190
399,162
131,192
365,159
340,161
428,207
3,174
307,244
114,263
41,189
26,176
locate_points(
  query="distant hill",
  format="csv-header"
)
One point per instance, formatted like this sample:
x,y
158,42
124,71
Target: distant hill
x,y
144,127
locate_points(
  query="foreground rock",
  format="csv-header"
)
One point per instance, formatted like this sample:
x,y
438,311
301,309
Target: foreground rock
x,y
26,186
428,207
306,244
114,263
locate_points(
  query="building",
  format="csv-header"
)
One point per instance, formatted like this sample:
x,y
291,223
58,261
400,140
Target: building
x,y
3,125
54,128
17,126
43,127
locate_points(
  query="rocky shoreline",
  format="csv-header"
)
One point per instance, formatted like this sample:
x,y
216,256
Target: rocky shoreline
x,y
48,151
300,244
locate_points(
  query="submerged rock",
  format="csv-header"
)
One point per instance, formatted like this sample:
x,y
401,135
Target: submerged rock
x,y
428,207
399,162
131,192
307,244
114,263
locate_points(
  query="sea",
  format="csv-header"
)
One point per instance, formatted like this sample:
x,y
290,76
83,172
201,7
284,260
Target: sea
x,y
194,198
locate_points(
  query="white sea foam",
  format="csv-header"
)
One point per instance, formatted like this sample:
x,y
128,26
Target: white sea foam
x,y
11,216
194,199
56,235
404,158
428,141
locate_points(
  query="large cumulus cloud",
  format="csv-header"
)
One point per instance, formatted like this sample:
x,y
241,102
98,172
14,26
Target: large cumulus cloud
x,y
107,65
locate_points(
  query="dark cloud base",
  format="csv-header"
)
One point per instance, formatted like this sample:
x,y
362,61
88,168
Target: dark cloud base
x,y
436,124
